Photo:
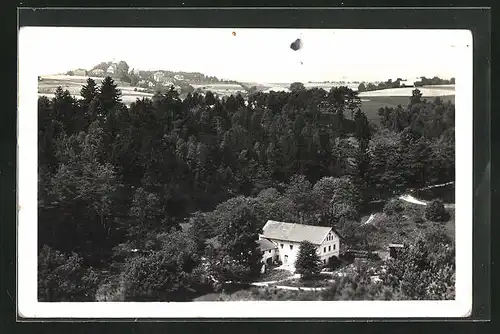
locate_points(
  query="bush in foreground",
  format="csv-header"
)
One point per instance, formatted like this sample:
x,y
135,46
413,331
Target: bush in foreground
x,y
168,272
435,211
64,278
394,206
425,268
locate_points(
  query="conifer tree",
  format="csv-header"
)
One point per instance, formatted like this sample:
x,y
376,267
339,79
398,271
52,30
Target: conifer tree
x,y
89,91
308,263
109,95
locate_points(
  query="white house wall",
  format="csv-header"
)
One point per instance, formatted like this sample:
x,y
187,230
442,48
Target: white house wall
x,y
286,254
270,253
332,245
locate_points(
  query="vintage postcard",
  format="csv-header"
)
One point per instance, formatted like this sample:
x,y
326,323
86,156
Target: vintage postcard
x,y
249,173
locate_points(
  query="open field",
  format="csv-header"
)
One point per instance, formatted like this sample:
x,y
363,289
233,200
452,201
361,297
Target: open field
x,y
427,91
371,105
285,86
221,88
329,85
74,84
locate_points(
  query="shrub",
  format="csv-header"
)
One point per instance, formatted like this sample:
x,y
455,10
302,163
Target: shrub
x,y
420,223
158,278
65,278
111,290
169,272
425,268
435,211
394,206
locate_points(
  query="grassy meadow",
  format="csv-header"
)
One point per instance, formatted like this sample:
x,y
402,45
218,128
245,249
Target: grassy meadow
x,y
371,105
48,85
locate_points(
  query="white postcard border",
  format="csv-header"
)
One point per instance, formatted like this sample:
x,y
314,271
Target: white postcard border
x,y
28,306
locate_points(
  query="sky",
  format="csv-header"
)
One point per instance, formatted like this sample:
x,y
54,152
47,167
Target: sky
x,y
254,55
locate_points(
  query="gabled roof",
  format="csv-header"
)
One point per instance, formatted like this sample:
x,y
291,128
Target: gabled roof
x,y
264,244
295,232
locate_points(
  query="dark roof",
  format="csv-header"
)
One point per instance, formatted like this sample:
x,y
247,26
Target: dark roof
x,y
265,244
295,232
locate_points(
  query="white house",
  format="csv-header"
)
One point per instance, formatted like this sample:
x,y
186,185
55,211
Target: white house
x,y
167,83
111,69
97,72
286,238
159,77
179,77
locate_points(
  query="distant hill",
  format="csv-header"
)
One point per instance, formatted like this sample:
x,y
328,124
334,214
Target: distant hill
x,y
151,81
121,70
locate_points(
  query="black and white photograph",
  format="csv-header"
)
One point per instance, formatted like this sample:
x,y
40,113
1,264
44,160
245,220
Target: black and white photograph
x,y
181,170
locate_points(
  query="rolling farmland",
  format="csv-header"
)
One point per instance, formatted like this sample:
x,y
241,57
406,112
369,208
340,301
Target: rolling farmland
x,y
221,88
372,101
74,84
370,106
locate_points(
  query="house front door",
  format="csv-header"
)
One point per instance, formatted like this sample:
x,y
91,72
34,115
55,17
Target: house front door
x,y
286,259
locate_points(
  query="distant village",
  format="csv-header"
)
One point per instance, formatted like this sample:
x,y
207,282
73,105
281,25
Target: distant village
x,y
150,80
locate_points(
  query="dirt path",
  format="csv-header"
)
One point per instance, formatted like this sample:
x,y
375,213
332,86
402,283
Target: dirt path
x,y
369,220
411,199
285,287
437,185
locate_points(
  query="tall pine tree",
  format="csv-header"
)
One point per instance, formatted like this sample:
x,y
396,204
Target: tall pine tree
x,y
308,263
89,91
109,96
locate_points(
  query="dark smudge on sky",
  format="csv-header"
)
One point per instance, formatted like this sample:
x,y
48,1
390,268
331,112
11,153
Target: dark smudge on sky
x,y
296,45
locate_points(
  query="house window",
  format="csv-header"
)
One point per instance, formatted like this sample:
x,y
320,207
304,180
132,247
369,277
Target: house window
x,y
324,249
269,251
333,246
262,252
324,261
291,247
281,245
329,248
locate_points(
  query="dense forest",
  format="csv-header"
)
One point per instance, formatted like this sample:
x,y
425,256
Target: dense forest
x,y
118,185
